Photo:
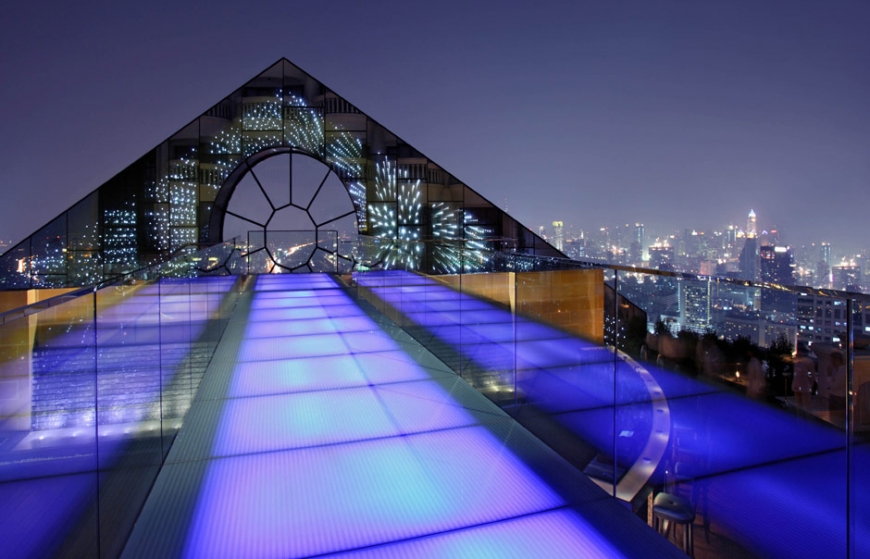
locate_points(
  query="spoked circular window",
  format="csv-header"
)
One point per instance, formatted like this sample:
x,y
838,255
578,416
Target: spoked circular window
x,y
293,212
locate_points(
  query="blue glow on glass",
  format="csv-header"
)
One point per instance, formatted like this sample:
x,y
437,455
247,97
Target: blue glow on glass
x,y
389,366
296,375
561,533
298,420
287,314
319,500
755,454
264,349
368,341
422,406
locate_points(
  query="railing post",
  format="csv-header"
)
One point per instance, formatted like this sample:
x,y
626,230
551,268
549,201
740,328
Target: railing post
x,y
850,401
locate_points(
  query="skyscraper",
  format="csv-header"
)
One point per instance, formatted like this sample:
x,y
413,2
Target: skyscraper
x,y
558,238
749,258
825,253
776,265
751,225
847,277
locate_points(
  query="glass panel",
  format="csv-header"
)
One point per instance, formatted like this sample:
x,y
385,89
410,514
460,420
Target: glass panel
x,y
15,266
411,202
344,151
331,202
382,219
308,174
300,85
262,100
745,406
220,131
128,405
127,205
859,456
303,126
49,250
565,376
291,249
249,202
83,257
324,260
259,262
381,179
83,233
290,219
273,174
47,417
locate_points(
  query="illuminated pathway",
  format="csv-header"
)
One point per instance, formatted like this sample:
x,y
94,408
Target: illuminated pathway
x,y
321,430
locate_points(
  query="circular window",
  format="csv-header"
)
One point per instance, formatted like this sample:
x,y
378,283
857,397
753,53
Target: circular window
x,y
291,211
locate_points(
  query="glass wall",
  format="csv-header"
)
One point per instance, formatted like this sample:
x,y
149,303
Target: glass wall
x,y
715,391
93,388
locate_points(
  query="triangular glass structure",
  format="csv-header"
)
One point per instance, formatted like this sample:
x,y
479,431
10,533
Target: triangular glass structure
x,y
178,196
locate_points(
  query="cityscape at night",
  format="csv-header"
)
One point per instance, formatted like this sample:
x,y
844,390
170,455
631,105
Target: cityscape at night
x,y
393,280
714,252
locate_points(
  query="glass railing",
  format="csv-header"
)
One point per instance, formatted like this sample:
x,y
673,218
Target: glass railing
x,y
749,401
94,385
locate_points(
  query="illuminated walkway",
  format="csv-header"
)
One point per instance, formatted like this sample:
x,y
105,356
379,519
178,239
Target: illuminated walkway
x,y
320,429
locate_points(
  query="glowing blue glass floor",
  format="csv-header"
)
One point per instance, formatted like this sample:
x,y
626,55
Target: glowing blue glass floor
x,y
320,429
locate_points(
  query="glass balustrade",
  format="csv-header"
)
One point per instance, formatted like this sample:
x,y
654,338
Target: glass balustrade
x,y
94,385
724,393
717,391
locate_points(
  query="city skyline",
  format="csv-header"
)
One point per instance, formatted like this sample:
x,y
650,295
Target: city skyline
x,y
654,113
750,252
840,250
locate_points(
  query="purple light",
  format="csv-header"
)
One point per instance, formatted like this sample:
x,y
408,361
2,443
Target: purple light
x,y
320,500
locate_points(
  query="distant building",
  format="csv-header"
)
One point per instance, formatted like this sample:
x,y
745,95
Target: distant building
x,y
825,253
638,245
661,257
558,238
820,319
751,225
749,259
695,305
776,265
847,277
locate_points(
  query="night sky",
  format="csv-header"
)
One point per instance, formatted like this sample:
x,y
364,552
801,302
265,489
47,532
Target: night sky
x,y
675,114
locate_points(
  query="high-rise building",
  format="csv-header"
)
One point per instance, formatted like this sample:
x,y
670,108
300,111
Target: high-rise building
x,y
661,257
776,265
731,236
749,259
825,253
695,305
751,225
558,237
847,277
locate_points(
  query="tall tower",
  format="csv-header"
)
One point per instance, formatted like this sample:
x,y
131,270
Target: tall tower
x,y
749,259
825,255
559,240
638,243
751,225
640,235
